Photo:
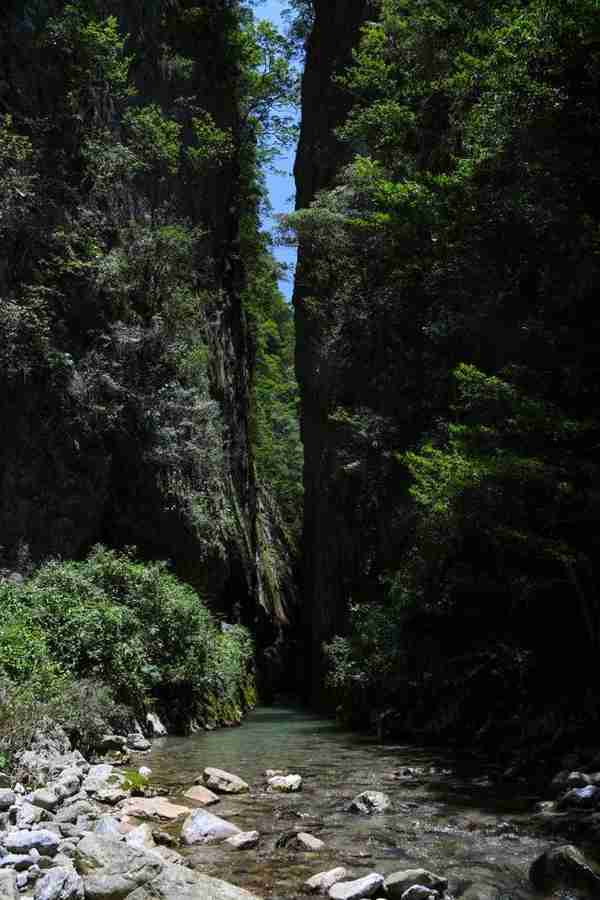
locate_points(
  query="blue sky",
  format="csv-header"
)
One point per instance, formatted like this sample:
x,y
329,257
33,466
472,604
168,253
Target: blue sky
x,y
281,186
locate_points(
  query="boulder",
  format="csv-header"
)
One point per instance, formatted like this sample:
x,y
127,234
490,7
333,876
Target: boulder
x,y
286,784
153,808
202,827
320,883
370,802
111,869
200,794
418,892
17,861
245,840
580,798
564,867
69,814
7,798
8,885
223,782
367,886
138,743
45,799
110,742
398,883
60,883
44,841
305,841
178,883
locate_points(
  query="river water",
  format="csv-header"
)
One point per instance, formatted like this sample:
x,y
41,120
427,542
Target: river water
x,y
447,814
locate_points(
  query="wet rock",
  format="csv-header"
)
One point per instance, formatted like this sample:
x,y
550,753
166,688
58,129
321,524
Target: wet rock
x,y
45,799
273,773
564,867
153,808
110,742
7,798
418,892
285,784
398,883
224,782
302,840
245,840
8,885
370,802
200,794
580,798
367,886
177,883
155,726
202,827
61,883
44,841
111,869
322,881
138,743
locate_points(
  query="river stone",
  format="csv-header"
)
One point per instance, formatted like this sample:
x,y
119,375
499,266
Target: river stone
x,y
305,841
44,841
202,827
7,798
45,798
580,798
179,883
111,869
200,794
245,840
111,742
27,814
418,892
286,784
370,802
320,883
68,785
137,742
223,782
398,882
110,795
61,883
564,867
8,885
354,890
153,808
71,812
18,861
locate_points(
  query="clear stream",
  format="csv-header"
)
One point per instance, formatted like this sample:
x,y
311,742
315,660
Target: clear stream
x,y
447,815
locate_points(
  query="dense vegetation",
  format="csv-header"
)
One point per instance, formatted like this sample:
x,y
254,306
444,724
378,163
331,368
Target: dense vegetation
x,y
448,286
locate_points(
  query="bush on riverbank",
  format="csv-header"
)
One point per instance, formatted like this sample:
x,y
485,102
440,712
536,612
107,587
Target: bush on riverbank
x,y
112,633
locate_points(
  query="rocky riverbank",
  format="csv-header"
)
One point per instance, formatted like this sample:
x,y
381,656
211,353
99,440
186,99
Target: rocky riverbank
x,y
71,830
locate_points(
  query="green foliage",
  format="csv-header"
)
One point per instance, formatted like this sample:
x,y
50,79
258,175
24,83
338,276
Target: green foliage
x,y
134,782
214,145
154,138
130,625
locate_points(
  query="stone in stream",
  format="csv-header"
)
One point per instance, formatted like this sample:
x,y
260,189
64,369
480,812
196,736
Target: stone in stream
x,y
285,784
61,883
305,841
137,742
178,883
202,827
367,886
200,794
398,883
370,802
322,881
245,840
223,782
8,885
564,867
419,892
153,808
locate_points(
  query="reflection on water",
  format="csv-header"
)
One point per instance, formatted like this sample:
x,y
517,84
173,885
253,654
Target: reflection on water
x,y
446,813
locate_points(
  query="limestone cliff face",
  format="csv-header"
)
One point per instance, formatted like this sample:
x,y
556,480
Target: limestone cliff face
x,y
330,544
125,414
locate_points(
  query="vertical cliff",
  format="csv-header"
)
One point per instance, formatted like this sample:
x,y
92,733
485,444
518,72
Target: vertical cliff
x,y
126,365
328,537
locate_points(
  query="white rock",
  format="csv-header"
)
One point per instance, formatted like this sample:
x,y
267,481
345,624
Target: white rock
x,y
224,782
286,784
355,890
245,840
305,841
8,885
202,827
320,883
62,883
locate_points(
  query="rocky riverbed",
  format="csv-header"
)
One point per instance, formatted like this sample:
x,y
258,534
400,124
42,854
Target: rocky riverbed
x,y
336,815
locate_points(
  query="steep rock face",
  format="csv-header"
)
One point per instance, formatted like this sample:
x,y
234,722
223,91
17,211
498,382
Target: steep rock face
x,y
329,535
126,362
